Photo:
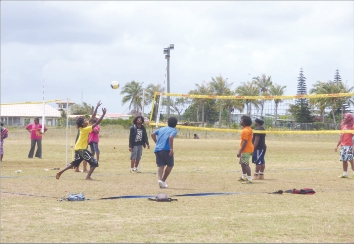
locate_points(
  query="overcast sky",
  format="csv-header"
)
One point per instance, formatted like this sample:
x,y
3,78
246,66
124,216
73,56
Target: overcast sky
x,y
79,48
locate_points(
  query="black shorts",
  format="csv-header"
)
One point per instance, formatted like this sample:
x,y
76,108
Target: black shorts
x,y
81,155
163,158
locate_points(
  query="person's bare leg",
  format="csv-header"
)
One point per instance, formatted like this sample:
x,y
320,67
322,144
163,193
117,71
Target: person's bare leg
x,y
166,173
98,156
262,168
88,177
77,169
345,166
136,163
84,164
351,162
132,163
258,168
62,171
246,169
160,172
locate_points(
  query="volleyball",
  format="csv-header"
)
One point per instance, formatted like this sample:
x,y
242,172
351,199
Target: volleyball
x,y
115,85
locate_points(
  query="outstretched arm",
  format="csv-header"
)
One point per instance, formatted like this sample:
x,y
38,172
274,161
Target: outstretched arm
x,y
95,111
104,110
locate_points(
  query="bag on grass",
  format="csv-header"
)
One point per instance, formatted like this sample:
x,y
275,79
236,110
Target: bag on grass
x,y
307,191
76,197
161,197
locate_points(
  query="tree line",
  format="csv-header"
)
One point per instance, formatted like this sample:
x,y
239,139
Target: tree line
x,y
211,111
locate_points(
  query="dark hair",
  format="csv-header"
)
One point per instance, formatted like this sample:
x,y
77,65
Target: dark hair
x,y
172,122
259,121
80,121
94,120
246,120
136,119
36,119
2,124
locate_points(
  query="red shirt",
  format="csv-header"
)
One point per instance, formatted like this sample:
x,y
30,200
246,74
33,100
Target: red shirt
x,y
346,138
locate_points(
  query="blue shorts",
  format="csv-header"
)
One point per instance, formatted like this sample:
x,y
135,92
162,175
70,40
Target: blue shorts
x,y
94,147
258,156
163,158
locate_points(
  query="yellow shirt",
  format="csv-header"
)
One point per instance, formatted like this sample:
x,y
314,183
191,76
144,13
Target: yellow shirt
x,y
82,142
246,135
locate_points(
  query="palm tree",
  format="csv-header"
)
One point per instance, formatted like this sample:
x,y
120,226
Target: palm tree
x,y
231,105
202,89
248,89
133,94
219,87
149,97
264,84
178,105
320,103
332,102
277,90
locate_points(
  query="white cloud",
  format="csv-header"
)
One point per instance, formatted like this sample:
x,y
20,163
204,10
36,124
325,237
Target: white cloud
x,y
80,47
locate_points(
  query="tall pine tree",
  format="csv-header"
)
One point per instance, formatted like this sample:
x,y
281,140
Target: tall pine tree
x,y
338,80
301,110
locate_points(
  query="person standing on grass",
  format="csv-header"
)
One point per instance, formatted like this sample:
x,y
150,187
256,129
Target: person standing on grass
x,y
346,143
164,153
93,141
246,149
4,134
259,152
137,140
81,152
36,137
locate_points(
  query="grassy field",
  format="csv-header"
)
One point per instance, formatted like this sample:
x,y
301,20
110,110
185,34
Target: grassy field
x,y
31,212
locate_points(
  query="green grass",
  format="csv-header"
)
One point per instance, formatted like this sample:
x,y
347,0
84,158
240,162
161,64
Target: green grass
x,y
201,166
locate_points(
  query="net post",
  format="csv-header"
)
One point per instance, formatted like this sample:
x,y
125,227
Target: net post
x,y
67,130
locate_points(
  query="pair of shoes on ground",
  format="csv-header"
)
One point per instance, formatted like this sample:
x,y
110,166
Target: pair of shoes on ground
x,y
258,176
245,180
344,176
162,184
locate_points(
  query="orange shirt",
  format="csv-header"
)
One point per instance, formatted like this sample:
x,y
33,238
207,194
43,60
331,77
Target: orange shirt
x,y
246,135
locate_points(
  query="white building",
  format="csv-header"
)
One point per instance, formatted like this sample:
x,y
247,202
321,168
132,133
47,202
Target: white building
x,y
21,114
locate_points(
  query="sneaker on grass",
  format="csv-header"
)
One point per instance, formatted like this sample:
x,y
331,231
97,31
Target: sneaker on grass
x,y
343,176
161,183
242,179
247,182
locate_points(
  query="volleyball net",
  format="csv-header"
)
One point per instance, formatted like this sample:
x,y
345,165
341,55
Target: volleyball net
x,y
290,114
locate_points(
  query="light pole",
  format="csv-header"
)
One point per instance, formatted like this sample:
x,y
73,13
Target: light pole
x,y
166,51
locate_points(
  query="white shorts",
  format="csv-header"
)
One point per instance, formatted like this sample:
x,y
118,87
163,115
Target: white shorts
x,y
346,153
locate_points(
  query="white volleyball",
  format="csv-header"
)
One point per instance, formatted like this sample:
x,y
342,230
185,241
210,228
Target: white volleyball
x,y
115,85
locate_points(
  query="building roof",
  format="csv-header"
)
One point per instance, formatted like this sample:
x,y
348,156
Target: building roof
x,y
115,116
28,110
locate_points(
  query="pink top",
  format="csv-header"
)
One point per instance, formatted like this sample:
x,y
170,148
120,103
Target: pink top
x,y
93,137
4,133
35,130
347,138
